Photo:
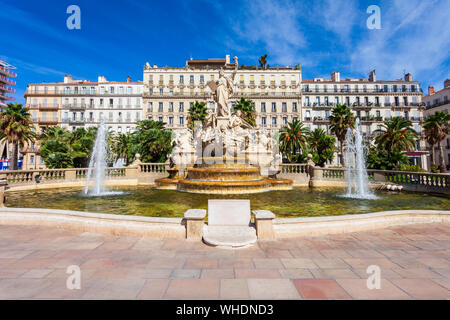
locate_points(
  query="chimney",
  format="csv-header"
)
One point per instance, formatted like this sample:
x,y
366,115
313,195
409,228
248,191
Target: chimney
x,y
430,90
408,77
101,79
447,83
128,79
336,76
373,76
227,59
68,78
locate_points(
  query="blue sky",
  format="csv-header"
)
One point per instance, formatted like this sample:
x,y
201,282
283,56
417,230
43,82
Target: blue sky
x,y
118,37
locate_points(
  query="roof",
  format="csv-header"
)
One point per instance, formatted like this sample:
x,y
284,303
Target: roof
x,y
437,92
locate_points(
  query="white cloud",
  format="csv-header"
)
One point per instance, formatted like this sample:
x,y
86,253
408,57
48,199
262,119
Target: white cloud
x,y
274,25
414,38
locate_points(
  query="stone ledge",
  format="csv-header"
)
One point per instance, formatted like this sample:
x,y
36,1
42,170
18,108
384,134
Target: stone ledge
x,y
95,222
295,227
263,214
195,214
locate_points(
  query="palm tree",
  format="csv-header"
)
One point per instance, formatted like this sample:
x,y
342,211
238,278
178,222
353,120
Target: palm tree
x,y
197,112
248,110
322,146
293,140
263,61
17,128
341,119
121,146
436,129
396,134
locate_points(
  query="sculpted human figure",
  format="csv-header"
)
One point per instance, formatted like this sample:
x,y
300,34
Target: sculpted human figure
x,y
223,91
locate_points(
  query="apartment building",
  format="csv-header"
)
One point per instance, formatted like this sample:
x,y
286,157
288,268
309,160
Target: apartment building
x,y
371,100
76,104
6,75
170,91
439,101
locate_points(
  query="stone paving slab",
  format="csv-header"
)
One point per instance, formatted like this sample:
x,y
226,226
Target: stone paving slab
x,y
414,261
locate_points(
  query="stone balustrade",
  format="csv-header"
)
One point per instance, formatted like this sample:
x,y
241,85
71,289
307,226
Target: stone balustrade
x,y
301,174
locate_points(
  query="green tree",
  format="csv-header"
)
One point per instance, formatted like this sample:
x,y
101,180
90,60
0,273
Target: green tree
x,y
321,146
121,144
247,108
17,129
61,148
341,119
396,134
151,140
263,61
381,159
436,129
293,141
197,112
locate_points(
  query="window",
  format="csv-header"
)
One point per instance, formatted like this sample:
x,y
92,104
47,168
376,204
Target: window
x,y
181,107
202,79
294,106
263,121
274,107
170,106
111,90
336,100
111,102
181,79
31,159
160,107
160,119
307,101
284,120
274,121
283,107
170,120
263,107
191,79
121,90
347,101
161,91
181,120
318,101
326,101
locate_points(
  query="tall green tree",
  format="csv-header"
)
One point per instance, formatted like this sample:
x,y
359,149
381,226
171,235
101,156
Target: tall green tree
x,y
247,108
436,129
151,140
321,146
197,112
396,134
263,61
121,144
341,119
17,129
293,141
61,148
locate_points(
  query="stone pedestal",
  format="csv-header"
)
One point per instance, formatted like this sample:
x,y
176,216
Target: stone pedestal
x,y
194,223
3,184
264,224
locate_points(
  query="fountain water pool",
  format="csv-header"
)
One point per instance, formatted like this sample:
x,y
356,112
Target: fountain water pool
x,y
357,179
97,165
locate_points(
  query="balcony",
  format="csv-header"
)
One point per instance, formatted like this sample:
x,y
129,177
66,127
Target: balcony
x,y
323,105
47,121
6,72
74,106
6,80
50,107
7,89
321,120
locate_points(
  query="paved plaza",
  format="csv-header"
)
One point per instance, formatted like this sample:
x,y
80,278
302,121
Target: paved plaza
x,y
414,262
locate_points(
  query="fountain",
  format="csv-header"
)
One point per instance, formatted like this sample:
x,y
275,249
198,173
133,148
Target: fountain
x,y
224,155
97,165
357,179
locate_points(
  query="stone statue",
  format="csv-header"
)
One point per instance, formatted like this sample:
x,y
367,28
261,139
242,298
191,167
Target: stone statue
x,y
223,89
